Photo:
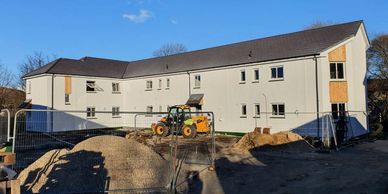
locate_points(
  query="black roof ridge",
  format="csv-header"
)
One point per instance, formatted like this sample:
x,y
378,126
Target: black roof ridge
x,y
246,41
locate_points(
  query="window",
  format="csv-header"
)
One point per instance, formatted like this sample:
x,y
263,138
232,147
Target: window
x,y
149,85
67,99
338,110
116,111
160,108
256,75
91,86
167,83
168,108
243,110
197,83
337,71
160,84
115,87
257,110
277,73
278,110
242,76
28,88
91,112
149,109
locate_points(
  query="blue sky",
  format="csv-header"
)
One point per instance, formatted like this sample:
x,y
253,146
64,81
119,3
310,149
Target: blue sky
x,y
133,29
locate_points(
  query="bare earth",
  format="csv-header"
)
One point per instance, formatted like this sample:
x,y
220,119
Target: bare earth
x,y
295,168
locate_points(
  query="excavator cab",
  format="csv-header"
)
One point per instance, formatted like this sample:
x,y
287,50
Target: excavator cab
x,y
180,120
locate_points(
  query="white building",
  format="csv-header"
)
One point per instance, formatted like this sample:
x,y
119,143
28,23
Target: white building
x,y
291,77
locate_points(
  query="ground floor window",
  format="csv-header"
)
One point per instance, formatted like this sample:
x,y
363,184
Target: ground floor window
x,y
91,112
278,110
115,111
338,110
243,110
149,109
67,99
257,110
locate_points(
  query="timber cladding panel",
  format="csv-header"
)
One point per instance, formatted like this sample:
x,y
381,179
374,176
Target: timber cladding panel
x,y
338,91
67,85
339,54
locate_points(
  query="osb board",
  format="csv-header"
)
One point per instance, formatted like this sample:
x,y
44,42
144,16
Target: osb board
x,y
338,91
339,54
67,85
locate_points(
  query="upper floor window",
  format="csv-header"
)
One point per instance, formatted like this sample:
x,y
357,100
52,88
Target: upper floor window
x,y
256,75
115,87
67,99
337,71
91,86
242,76
277,73
91,112
28,87
167,83
197,83
160,84
278,110
149,85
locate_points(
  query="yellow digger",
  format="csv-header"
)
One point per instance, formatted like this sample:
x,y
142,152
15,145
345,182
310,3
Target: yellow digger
x,y
180,117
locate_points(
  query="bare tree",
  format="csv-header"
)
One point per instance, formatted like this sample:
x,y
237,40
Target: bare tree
x,y
6,83
170,49
32,62
377,56
318,24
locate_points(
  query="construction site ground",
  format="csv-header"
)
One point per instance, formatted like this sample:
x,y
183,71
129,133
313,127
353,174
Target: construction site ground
x,y
289,168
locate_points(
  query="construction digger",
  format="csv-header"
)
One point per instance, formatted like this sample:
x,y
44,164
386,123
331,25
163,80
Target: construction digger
x,y
180,119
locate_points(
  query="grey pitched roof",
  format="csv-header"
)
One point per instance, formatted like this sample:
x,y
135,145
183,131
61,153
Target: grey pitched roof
x,y
297,44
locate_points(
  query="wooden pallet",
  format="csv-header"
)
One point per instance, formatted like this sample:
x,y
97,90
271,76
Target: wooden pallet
x,y
10,187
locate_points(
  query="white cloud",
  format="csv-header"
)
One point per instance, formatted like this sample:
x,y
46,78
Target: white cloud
x,y
174,21
139,18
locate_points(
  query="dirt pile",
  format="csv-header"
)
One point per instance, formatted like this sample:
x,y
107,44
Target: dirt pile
x,y
256,139
96,164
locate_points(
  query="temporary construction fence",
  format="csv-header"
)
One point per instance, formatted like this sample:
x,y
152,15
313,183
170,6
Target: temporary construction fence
x,y
5,125
73,145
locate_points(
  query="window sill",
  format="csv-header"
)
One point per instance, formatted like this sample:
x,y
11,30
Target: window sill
x,y
276,79
344,80
242,82
243,117
277,116
197,87
91,118
256,117
116,92
116,117
159,88
91,91
256,81
148,89
67,103
167,88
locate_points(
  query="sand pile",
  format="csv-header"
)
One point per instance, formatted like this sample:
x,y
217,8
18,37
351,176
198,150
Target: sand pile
x,y
96,164
256,139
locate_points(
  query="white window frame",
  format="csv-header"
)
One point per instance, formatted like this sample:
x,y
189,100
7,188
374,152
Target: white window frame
x,y
115,87
277,78
116,112
241,76
336,70
257,114
160,84
242,109
255,80
168,83
67,99
92,112
92,84
197,82
278,115
148,85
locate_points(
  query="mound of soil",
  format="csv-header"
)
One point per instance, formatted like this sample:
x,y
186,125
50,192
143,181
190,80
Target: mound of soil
x,y
256,139
97,164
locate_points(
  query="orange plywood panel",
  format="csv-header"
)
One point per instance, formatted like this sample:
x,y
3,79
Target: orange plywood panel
x,y
339,54
338,91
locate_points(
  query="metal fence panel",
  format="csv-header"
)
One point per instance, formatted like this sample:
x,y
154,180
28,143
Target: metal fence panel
x,y
5,124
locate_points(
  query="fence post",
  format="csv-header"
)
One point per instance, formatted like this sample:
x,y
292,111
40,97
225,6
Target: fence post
x,y
14,130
